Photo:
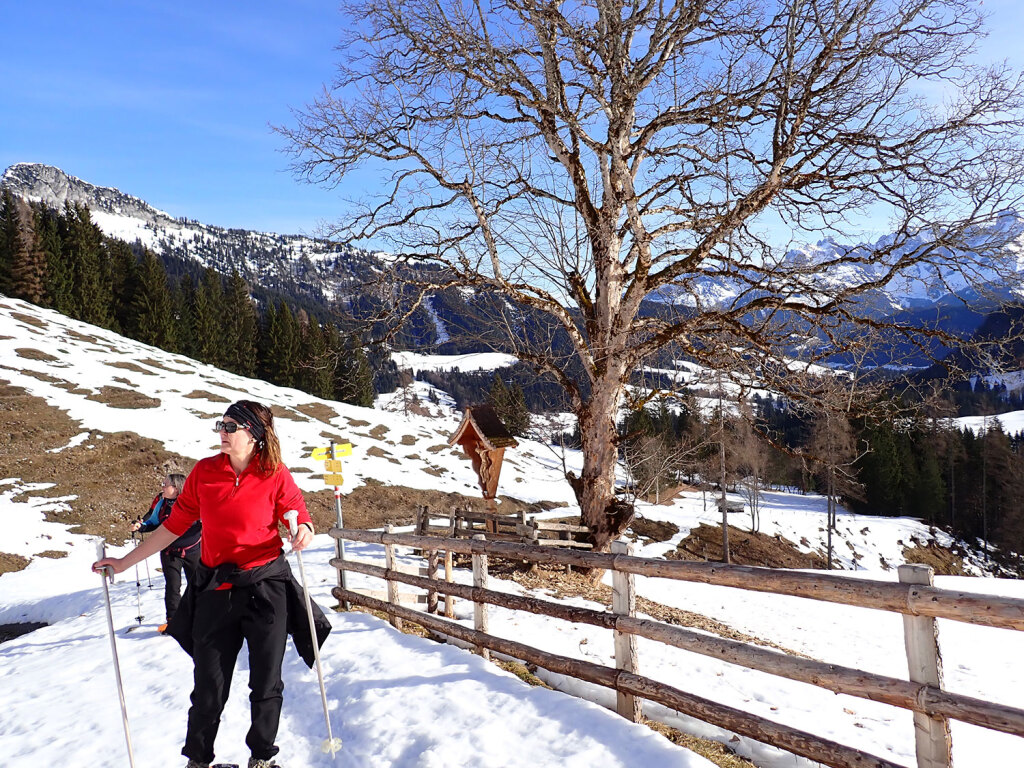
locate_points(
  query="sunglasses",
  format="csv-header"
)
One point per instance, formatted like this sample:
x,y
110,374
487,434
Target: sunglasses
x,y
228,426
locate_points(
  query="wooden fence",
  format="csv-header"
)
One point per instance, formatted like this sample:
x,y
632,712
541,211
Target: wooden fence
x,y
914,597
466,523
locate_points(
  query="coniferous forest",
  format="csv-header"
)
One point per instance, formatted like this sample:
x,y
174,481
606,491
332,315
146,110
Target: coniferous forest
x,y
61,260
971,484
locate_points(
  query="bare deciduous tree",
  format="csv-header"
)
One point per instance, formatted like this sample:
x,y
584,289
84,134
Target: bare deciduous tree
x,y
582,157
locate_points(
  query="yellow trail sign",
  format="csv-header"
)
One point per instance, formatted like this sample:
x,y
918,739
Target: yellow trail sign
x,y
332,465
333,479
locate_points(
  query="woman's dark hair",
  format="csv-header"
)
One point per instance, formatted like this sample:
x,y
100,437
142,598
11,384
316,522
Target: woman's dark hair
x,y
268,448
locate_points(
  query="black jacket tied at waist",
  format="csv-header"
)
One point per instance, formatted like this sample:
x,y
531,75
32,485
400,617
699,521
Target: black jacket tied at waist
x,y
180,627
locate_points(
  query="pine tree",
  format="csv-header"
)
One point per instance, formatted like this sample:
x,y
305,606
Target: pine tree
x,y
26,272
185,311
124,272
10,237
318,363
239,327
152,307
282,343
59,277
207,312
354,382
83,245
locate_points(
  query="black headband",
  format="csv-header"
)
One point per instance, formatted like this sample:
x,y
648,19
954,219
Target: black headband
x,y
245,415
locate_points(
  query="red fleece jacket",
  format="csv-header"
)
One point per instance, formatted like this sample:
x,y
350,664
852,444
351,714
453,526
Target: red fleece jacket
x,y
240,513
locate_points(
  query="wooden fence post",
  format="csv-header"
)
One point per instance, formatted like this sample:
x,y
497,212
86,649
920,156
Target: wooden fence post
x,y
921,636
624,604
449,600
480,582
432,557
389,563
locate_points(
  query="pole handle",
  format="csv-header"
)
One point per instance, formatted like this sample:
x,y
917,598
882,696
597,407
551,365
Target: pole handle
x,y
292,516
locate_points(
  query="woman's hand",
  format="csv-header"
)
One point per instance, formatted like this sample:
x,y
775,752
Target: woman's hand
x,y
114,563
302,538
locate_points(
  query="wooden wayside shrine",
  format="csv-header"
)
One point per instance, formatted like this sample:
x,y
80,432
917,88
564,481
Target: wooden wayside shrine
x,y
484,439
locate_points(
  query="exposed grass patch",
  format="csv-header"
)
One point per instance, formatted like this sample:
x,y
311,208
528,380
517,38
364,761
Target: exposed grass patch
x,y
717,753
116,397
53,554
317,411
407,440
380,453
358,423
28,319
12,563
202,394
378,432
653,530
437,448
945,562
745,548
131,367
35,354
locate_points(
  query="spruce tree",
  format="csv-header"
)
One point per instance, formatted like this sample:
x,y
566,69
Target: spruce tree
x,y
83,244
124,272
207,313
9,239
282,347
317,362
185,312
27,263
59,280
152,307
239,327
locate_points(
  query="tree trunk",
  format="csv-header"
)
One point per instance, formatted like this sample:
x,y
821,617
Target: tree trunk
x,y
606,515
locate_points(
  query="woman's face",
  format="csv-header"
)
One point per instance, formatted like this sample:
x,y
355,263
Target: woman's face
x,y
169,490
237,443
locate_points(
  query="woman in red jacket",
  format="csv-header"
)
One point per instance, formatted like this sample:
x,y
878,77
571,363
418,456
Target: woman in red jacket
x,y
243,586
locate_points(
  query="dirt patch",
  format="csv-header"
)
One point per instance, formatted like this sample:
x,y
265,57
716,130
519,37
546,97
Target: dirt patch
x,y
81,336
12,563
202,394
407,440
652,531
34,354
53,554
29,319
281,412
41,376
379,432
379,453
557,583
118,397
157,364
358,423
436,471
745,548
131,367
437,448
945,562
317,411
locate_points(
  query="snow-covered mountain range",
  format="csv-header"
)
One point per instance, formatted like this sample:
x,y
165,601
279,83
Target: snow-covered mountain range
x,y
327,270
314,267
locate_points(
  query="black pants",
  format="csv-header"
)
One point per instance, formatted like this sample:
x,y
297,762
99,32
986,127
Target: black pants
x,y
172,565
223,619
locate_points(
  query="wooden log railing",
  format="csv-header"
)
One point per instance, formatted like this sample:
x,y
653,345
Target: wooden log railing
x,y
920,603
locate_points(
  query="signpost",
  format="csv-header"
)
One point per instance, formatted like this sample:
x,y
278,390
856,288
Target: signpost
x,y
331,457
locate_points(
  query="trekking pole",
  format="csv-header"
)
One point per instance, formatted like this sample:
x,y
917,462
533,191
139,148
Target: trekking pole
x,y
149,579
332,744
138,586
104,574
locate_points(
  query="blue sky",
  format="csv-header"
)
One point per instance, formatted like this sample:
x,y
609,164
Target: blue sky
x,y
171,101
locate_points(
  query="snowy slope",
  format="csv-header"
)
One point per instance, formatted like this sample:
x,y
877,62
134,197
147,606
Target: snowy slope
x,y
400,701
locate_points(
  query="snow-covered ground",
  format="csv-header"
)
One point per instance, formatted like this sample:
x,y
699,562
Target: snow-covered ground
x,y
400,701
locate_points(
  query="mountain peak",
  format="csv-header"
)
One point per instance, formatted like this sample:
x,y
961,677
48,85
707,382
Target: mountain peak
x,y
47,184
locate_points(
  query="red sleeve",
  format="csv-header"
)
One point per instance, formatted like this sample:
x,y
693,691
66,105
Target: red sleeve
x,y
186,506
290,497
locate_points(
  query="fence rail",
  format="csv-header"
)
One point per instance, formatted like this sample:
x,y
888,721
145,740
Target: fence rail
x,y
920,604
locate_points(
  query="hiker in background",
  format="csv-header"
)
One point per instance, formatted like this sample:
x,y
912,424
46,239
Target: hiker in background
x,y
183,552
244,590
